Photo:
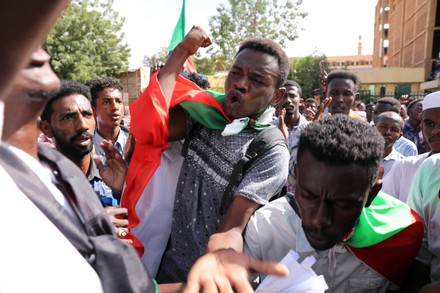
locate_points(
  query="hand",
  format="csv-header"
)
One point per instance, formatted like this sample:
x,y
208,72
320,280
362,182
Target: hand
x,y
118,216
321,109
228,271
129,147
310,114
196,38
323,76
282,125
113,174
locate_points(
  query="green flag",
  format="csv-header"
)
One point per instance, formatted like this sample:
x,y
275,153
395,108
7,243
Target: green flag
x,y
179,30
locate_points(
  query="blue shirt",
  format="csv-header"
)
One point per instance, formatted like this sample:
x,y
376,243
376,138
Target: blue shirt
x,y
102,190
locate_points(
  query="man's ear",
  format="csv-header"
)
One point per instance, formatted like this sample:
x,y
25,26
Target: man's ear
x,y
357,97
44,126
277,95
377,186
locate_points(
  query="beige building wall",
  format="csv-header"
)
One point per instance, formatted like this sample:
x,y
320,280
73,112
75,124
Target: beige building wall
x,y
404,33
134,82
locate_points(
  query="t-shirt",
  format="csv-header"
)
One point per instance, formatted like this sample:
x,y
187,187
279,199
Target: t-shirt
x,y
203,179
424,198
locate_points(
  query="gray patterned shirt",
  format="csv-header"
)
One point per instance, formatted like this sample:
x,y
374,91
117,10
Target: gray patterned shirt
x,y
203,179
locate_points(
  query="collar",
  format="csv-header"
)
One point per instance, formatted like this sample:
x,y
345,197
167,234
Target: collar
x,y
237,125
93,171
394,155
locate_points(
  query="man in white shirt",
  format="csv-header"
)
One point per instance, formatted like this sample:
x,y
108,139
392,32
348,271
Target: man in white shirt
x,y
398,181
335,177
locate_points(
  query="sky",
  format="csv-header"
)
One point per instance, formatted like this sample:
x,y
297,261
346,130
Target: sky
x,y
331,28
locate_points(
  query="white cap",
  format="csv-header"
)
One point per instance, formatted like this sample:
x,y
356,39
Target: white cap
x,y
431,101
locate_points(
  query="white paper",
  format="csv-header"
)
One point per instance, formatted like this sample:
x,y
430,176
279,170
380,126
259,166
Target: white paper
x,y
301,277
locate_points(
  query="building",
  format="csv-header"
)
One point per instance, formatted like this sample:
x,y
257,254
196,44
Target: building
x,y
134,82
351,62
407,35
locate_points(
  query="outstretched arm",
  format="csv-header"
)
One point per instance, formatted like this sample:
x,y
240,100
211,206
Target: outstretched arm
x,y
25,24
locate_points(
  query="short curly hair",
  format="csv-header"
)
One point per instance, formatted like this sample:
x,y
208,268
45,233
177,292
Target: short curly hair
x,y
272,48
68,88
339,140
294,84
98,84
344,74
394,103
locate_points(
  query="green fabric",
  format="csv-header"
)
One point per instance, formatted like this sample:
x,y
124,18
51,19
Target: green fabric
x,y
211,118
156,287
385,217
179,30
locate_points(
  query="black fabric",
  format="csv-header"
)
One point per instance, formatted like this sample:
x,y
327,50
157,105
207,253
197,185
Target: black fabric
x,y
117,264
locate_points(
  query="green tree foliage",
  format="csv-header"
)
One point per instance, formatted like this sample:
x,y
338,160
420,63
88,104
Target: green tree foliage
x,y
306,72
87,42
160,57
253,18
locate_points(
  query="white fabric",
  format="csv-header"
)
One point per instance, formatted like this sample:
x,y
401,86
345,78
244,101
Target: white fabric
x,y
34,255
431,101
44,175
390,160
424,198
398,180
275,229
155,207
237,125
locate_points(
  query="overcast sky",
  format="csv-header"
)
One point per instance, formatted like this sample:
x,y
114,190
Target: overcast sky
x,y
332,26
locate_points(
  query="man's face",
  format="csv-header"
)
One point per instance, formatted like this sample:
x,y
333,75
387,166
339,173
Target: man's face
x,y
343,93
431,128
37,81
251,84
291,100
415,111
72,126
330,199
109,109
310,105
390,129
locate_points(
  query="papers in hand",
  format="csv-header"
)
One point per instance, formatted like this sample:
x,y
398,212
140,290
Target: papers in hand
x,y
301,278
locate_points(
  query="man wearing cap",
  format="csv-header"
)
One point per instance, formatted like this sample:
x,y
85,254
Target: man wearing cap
x,y
424,198
398,181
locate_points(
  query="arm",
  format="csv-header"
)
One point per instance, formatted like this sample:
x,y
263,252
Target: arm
x,y
167,77
25,24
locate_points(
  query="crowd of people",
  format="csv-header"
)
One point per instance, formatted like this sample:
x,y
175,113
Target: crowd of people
x,y
171,200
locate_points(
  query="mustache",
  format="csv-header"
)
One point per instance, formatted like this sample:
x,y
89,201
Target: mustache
x,y
83,134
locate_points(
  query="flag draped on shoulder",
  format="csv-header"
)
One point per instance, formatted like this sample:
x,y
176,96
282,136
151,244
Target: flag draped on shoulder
x,y
149,126
387,237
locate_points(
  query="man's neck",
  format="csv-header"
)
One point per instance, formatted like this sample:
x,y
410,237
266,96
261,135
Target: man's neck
x,y
292,120
387,151
109,133
82,163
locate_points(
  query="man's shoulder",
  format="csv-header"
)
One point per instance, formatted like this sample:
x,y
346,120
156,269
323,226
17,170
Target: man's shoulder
x,y
279,208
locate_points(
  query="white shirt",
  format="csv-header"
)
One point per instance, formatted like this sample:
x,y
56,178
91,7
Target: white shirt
x,y
155,207
34,255
275,229
389,161
398,180
424,198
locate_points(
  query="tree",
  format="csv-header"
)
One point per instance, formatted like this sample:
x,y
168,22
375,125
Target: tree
x,y
306,72
160,57
253,18
87,42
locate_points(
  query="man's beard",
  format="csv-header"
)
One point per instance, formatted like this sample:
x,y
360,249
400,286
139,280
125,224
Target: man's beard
x,y
70,150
